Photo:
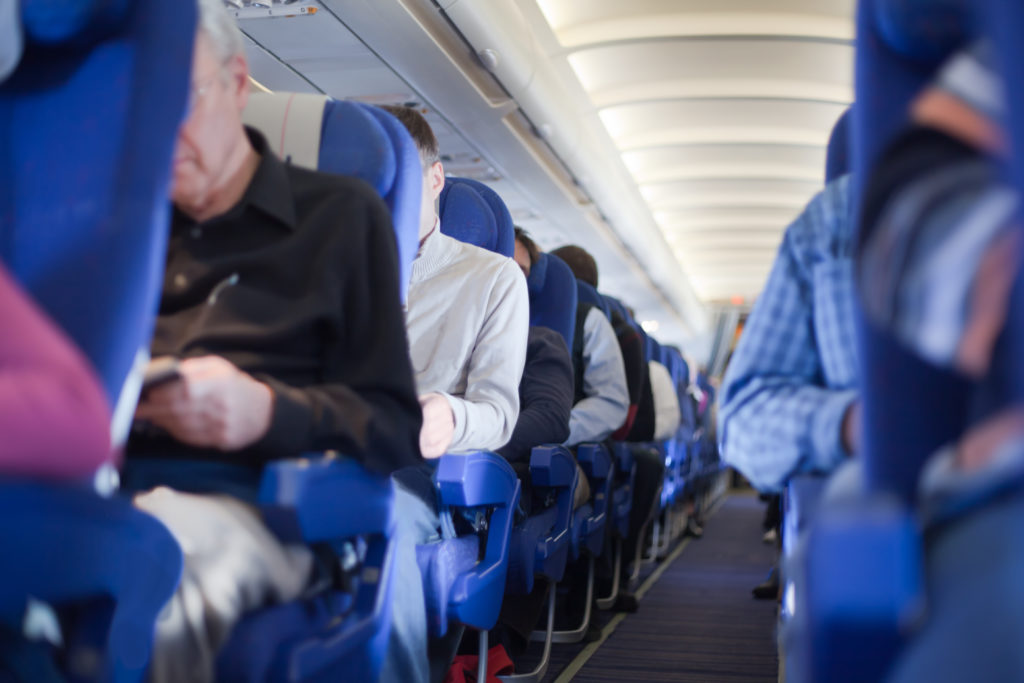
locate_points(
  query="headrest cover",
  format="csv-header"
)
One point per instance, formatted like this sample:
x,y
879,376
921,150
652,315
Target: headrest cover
x,y
589,295
837,162
971,76
10,37
474,213
553,296
53,22
292,124
925,31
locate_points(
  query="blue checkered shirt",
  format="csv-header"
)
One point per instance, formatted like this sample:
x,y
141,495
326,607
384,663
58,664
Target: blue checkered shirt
x,y
794,371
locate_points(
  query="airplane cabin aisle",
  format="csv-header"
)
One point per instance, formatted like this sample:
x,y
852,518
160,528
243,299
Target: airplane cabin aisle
x,y
697,620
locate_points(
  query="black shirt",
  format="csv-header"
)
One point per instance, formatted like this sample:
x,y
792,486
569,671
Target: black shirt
x,y
297,285
545,395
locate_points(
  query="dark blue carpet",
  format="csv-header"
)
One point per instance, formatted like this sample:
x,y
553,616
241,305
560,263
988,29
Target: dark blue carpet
x,y
699,622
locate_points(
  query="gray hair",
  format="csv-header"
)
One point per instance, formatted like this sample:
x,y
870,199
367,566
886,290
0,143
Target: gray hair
x,y
221,30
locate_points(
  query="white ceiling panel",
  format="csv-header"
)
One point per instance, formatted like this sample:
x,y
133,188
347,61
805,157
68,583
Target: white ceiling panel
x,y
721,110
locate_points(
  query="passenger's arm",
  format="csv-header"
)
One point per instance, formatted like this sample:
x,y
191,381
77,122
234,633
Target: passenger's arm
x,y
54,417
546,394
486,414
776,418
367,405
606,405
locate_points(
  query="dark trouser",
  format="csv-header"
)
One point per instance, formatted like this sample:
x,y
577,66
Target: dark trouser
x,y
773,513
650,475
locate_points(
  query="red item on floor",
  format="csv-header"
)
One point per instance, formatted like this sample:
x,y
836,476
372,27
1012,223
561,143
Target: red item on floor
x,y
464,667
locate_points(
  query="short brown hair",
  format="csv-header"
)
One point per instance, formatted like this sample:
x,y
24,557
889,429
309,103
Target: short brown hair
x,y
422,134
582,264
523,238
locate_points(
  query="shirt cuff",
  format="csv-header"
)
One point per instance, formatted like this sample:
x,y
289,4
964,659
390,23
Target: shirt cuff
x,y
459,417
289,423
827,432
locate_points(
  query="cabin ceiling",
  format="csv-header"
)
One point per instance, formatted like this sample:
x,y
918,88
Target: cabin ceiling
x,y
721,110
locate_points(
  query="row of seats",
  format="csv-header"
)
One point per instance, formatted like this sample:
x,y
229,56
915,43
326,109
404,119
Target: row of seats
x,y
888,579
114,73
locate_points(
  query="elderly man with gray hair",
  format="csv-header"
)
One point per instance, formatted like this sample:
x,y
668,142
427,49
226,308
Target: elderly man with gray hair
x,y
281,307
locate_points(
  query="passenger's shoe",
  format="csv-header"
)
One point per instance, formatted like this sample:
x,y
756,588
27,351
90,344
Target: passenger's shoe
x,y
769,589
771,537
693,529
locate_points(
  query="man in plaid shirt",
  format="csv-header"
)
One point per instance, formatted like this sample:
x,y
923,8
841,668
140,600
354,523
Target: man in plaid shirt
x,y
789,399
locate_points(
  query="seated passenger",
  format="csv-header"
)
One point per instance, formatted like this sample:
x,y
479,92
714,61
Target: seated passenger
x,y
603,406
56,421
467,317
545,392
602,395
281,297
789,398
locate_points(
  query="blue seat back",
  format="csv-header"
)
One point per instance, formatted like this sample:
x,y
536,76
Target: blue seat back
x,y
900,44
588,295
473,213
553,296
354,139
89,120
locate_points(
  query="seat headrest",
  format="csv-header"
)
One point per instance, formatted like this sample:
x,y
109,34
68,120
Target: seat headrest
x,y
837,160
56,22
618,307
589,295
473,213
347,138
925,31
553,296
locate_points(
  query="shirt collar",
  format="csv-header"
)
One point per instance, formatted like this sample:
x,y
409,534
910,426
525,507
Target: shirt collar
x,y
270,188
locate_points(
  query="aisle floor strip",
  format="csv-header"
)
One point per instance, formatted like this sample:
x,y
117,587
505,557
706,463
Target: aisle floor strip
x,y
581,659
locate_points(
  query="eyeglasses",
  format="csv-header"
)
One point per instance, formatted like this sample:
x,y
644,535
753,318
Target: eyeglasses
x,y
197,91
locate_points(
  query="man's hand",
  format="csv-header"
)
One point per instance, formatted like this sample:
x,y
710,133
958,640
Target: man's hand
x,y
438,425
212,405
851,428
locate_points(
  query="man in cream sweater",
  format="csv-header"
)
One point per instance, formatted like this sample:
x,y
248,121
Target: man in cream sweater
x,y
467,318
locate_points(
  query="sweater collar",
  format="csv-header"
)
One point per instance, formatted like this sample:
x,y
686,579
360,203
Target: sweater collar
x,y
434,255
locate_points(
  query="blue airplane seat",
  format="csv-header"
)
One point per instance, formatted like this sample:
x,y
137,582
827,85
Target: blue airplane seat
x,y
351,138
553,296
102,231
474,213
324,499
863,565
540,544
464,585
89,114
589,295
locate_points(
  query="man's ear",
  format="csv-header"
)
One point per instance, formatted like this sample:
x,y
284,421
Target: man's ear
x,y
237,70
436,179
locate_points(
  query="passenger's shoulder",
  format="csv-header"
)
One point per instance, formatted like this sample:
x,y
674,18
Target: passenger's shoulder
x,y
313,187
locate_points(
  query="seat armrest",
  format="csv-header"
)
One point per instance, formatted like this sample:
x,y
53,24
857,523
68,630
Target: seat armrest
x,y
552,466
481,479
623,457
595,460
477,479
324,498
68,544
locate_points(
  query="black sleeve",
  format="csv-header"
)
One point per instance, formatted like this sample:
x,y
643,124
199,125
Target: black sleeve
x,y
367,407
545,395
632,346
